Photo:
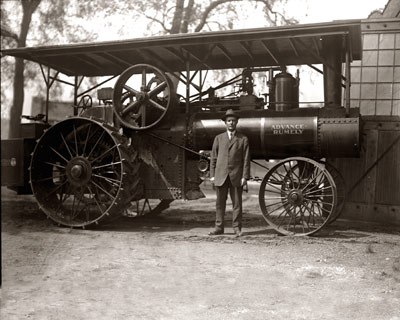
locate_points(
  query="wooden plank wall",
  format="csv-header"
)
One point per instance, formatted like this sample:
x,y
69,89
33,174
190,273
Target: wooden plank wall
x,y
377,196
375,89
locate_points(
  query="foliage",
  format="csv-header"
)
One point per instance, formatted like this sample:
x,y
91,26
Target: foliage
x,y
52,23
59,22
180,16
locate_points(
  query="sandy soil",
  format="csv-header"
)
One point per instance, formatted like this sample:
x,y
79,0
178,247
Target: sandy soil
x,y
168,268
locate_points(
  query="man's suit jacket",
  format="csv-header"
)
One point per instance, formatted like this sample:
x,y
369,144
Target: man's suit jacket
x,y
230,157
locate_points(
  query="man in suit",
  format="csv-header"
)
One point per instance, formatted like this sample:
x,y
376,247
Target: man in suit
x,y
229,171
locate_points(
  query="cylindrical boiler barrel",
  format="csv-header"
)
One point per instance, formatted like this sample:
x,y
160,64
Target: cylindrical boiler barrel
x,y
273,135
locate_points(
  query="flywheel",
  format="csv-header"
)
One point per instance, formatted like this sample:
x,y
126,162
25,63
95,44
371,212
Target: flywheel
x,y
143,95
82,172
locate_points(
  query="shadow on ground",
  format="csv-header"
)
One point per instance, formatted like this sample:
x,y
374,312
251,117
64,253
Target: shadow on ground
x,y
22,213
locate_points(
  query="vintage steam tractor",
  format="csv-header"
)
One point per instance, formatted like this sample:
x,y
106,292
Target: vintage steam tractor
x,y
147,141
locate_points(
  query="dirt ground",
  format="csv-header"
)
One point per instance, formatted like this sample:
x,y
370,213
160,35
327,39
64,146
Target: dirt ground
x,y
169,268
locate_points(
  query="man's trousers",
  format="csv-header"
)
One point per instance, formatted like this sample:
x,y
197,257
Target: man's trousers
x,y
236,197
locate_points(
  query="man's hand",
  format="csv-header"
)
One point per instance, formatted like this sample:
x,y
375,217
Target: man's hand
x,y
212,180
243,183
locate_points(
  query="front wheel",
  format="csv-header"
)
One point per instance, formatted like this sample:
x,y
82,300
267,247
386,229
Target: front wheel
x,y
298,196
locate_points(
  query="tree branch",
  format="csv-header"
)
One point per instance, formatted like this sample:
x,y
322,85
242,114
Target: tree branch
x,y
208,10
158,21
6,32
217,3
268,5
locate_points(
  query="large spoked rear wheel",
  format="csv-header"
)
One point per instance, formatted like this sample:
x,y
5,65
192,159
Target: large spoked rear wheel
x,y
298,196
142,96
82,173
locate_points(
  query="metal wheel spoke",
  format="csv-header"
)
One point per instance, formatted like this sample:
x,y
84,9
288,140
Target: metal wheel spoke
x,y
93,196
86,140
323,202
320,178
316,188
72,216
321,196
142,112
60,155
95,145
303,219
107,165
282,219
75,209
95,200
269,213
158,89
313,179
111,181
157,105
275,198
102,189
290,220
144,82
131,90
104,153
273,191
54,164
130,107
66,144
289,174
76,140
294,221
54,190
292,170
320,207
302,172
311,214
269,184
281,176
62,200
278,218
321,215
50,178
275,203
316,210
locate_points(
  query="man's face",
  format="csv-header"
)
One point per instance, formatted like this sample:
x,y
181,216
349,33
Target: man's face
x,y
231,123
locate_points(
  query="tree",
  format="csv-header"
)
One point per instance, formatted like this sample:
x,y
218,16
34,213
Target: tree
x,y
165,17
50,22
182,16
29,7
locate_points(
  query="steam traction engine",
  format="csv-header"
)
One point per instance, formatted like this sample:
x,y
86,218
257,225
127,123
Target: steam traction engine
x,y
147,141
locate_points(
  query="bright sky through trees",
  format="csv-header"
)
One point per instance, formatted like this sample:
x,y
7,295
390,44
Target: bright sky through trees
x,y
305,11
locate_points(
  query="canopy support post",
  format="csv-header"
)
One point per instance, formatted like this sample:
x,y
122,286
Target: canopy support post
x,y
348,81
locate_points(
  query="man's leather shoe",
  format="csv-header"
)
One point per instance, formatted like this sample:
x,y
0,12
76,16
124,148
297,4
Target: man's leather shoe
x,y
238,233
216,232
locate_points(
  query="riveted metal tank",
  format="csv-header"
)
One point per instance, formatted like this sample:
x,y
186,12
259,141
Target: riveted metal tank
x,y
310,132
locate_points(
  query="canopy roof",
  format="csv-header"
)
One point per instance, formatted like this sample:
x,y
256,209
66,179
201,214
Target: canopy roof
x,y
261,47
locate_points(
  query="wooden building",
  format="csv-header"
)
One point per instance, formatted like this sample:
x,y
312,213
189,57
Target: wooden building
x,y
373,181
